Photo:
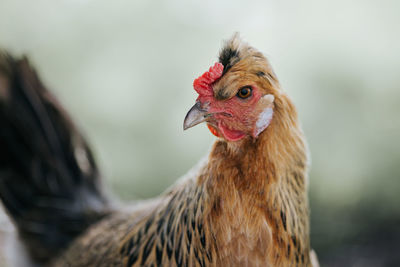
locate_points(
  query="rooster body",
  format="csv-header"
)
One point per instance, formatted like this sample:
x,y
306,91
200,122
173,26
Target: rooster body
x,y
245,205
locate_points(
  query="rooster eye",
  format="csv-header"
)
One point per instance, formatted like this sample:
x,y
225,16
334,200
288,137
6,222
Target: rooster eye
x,y
244,92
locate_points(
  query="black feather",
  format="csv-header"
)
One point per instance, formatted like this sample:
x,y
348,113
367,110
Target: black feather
x,y
228,57
50,194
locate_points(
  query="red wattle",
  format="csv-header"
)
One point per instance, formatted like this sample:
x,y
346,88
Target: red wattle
x,y
213,130
231,135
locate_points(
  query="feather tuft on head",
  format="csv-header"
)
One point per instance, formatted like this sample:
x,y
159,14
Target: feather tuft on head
x,y
202,84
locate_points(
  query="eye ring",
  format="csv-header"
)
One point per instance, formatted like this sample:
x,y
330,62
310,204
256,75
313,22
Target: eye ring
x,y
244,92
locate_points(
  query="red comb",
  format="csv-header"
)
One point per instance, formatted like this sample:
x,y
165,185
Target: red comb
x,y
202,85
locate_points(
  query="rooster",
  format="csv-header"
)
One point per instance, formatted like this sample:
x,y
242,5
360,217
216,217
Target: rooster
x,y
245,205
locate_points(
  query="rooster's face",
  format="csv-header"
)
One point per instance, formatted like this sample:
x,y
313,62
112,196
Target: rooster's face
x,y
236,99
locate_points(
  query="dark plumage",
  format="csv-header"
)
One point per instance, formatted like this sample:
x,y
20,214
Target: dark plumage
x,y
49,182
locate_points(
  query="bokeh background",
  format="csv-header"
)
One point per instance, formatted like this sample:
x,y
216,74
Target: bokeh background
x,y
124,69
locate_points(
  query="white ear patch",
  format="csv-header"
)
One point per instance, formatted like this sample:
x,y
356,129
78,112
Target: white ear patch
x,y
265,117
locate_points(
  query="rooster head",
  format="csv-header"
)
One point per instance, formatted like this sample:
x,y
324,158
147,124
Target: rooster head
x,y
236,95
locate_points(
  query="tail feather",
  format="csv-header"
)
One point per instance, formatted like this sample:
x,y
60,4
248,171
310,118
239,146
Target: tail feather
x,y
49,181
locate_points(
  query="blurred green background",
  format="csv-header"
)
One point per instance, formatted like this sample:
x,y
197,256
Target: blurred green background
x,y
124,69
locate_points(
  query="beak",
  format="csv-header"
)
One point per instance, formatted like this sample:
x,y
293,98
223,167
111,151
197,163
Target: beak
x,y
195,116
